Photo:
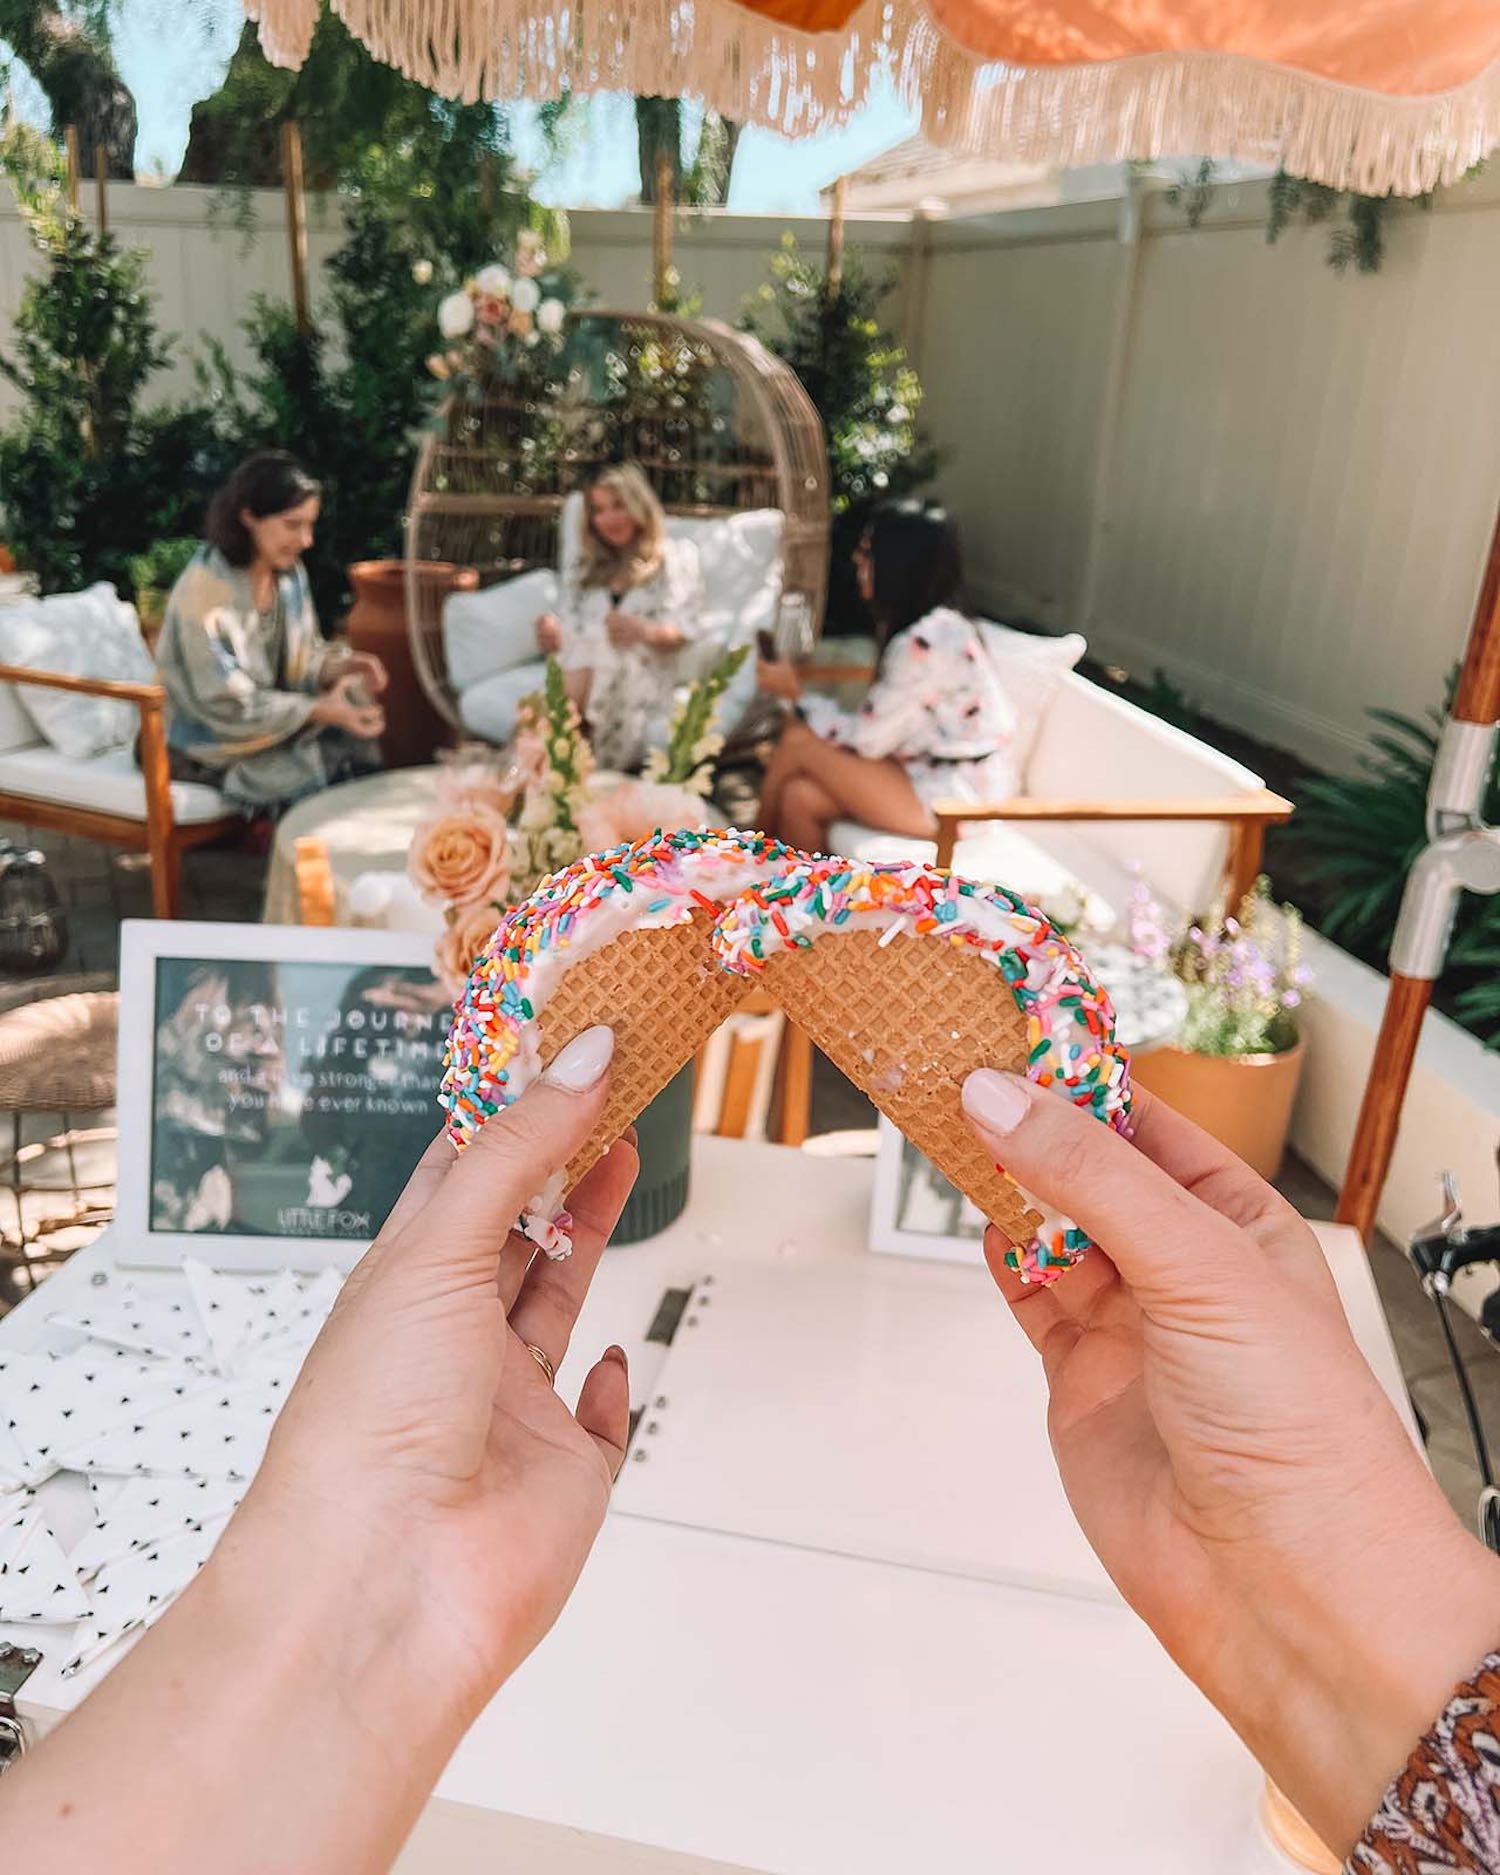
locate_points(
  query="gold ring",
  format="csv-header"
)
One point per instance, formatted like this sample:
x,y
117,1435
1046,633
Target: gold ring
x,y
541,1360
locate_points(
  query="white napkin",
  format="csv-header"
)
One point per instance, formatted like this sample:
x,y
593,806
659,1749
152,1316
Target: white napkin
x,y
217,1429
132,1591
50,1403
37,1582
145,1513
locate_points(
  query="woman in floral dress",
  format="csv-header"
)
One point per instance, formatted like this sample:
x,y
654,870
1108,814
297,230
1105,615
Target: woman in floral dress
x,y
936,724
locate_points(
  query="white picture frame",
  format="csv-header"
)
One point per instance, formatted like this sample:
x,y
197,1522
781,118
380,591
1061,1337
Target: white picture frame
x,y
915,1212
144,944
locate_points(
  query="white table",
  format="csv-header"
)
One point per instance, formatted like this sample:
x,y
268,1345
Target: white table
x,y
809,1642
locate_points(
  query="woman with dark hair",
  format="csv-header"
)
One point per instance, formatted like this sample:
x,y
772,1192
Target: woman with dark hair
x,y
936,724
259,704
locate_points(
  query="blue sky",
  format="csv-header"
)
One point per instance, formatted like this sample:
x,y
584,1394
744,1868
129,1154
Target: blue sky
x,y
172,53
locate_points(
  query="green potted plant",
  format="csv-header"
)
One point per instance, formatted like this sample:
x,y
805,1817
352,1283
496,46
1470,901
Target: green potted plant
x,y
153,574
1235,1064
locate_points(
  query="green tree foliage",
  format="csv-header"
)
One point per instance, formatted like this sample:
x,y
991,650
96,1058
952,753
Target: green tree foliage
x,y
67,51
865,389
854,370
87,476
660,131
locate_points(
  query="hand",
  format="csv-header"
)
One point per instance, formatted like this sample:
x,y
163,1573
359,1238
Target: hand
x,y
344,706
626,629
778,678
424,1507
422,1443
366,666
1232,1459
549,634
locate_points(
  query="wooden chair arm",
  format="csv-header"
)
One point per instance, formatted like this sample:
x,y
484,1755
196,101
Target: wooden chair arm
x,y
836,673
151,753
145,696
1262,806
1246,815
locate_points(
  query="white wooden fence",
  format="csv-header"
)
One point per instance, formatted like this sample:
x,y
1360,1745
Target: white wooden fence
x,y
1212,455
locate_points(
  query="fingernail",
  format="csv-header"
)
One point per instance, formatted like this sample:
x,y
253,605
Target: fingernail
x,y
998,1102
577,1067
615,1353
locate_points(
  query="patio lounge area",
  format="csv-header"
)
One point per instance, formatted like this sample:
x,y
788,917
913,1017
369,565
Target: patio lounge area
x,y
749,923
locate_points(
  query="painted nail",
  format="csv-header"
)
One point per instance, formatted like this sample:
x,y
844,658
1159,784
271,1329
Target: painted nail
x,y
997,1102
578,1066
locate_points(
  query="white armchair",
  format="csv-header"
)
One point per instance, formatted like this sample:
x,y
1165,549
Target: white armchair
x,y
489,636
1108,788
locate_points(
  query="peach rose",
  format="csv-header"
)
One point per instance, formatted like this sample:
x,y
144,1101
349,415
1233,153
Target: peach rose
x,y
464,936
461,859
640,807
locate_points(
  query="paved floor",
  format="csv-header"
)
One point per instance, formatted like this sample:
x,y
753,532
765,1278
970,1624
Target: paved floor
x,y
226,883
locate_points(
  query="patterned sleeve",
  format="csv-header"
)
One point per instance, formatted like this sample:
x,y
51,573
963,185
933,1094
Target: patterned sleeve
x,y
1443,1811
923,669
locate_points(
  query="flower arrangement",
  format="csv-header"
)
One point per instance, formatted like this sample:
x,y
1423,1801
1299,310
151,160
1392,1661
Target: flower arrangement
x,y
499,832
1244,975
506,323
692,739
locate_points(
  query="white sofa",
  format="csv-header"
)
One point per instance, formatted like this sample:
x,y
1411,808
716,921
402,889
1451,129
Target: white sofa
x,y
101,792
489,637
1093,756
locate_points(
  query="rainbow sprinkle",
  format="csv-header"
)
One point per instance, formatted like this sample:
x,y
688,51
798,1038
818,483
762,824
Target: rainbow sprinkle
x,y
764,897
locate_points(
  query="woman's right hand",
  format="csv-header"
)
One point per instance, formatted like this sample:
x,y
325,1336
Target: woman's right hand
x,y
549,634
1230,1456
345,706
778,678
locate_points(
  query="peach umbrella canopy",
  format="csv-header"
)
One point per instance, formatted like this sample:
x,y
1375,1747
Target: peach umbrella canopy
x,y
1373,95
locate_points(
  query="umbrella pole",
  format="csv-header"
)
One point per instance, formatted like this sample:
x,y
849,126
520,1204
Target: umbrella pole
x,y
1462,854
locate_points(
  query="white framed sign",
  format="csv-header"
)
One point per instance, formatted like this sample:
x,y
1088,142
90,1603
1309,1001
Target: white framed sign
x,y
277,1084
915,1211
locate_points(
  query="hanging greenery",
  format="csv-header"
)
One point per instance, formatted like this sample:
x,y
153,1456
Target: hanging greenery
x,y
1355,223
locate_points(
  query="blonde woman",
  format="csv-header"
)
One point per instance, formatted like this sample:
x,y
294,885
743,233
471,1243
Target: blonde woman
x,y
631,600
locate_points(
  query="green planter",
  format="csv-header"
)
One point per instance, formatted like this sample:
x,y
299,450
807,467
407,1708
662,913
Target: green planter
x,y
664,1139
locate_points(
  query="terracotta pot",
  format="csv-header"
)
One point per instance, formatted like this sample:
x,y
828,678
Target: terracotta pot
x,y
1245,1101
377,622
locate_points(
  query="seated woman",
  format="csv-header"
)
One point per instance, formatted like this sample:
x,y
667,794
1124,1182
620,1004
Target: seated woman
x,y
259,704
936,724
631,600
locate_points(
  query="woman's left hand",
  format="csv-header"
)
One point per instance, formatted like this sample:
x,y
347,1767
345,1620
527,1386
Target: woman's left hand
x,y
372,670
778,678
423,1443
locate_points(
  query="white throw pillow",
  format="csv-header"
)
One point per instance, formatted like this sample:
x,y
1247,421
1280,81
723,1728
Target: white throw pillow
x,y
1030,667
740,556
80,634
494,630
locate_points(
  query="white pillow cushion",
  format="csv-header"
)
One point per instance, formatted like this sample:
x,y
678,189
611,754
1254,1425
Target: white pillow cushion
x,y
740,556
81,634
17,731
488,708
1030,668
493,630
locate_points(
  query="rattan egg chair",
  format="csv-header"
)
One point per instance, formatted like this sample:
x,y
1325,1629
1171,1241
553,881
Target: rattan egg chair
x,y
719,424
